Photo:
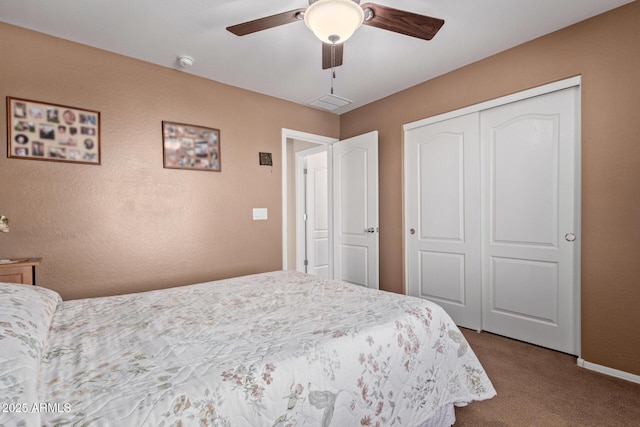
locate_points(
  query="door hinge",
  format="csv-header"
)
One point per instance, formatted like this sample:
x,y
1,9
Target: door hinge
x,y
306,262
304,171
304,217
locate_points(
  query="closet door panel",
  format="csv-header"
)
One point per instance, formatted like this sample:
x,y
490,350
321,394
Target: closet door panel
x,y
528,206
443,224
525,180
441,187
492,216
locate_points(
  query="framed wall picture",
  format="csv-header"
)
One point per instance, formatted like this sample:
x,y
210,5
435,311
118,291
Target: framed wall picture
x,y
190,147
42,131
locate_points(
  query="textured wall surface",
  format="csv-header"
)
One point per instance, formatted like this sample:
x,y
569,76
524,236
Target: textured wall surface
x,y
604,50
130,225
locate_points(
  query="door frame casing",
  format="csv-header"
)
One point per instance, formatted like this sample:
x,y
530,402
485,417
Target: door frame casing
x,y
288,134
575,81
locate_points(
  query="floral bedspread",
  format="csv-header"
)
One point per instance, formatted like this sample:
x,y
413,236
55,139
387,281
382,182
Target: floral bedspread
x,y
274,349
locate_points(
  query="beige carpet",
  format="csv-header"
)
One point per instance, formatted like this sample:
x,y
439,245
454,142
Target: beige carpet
x,y
540,387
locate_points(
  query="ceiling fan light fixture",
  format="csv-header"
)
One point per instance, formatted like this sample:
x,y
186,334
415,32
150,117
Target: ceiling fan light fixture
x,y
329,19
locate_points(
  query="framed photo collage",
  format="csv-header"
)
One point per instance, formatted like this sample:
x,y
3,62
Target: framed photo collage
x,y
42,131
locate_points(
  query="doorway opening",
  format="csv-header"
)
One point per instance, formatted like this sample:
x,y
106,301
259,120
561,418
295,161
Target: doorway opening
x,y
352,189
297,147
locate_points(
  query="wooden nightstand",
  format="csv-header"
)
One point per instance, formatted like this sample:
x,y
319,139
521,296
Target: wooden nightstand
x,y
21,270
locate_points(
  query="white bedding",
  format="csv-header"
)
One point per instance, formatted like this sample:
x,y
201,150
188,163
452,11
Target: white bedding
x,y
275,349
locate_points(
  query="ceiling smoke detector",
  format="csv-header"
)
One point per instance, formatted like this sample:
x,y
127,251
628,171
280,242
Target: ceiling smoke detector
x,y
185,61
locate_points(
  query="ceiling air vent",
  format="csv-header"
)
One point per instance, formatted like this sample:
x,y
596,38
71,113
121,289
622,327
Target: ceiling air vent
x,y
329,102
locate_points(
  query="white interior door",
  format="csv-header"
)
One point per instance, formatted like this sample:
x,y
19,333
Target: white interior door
x,y
442,213
529,219
355,201
316,216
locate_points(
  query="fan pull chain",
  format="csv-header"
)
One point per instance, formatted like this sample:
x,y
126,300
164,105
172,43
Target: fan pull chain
x,y
333,65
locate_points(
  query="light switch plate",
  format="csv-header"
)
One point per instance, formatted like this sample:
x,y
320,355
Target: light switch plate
x,y
260,214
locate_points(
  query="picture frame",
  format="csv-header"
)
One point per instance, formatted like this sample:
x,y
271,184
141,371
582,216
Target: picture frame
x,y
52,132
265,159
192,147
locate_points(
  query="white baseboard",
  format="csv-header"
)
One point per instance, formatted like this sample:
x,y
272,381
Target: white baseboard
x,y
608,371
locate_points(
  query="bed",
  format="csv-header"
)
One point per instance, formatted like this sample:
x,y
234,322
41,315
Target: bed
x,y
275,349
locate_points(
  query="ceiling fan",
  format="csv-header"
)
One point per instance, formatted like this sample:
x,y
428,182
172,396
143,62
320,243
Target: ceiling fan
x,y
334,21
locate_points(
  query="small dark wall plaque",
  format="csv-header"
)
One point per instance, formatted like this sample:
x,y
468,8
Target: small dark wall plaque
x,y
265,159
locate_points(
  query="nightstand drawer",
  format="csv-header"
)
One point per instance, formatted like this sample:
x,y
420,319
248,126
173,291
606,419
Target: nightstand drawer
x,y
22,270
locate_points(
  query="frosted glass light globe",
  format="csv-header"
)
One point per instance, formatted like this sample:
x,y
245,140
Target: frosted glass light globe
x,y
329,19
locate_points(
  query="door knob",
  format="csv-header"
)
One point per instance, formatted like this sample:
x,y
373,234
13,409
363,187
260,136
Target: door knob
x,y
412,231
570,237
371,230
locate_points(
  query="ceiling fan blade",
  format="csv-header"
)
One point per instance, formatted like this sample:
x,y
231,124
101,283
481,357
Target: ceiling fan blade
x,y
400,21
326,55
267,22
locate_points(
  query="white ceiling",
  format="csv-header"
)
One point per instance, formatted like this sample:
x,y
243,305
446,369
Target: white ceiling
x,y
285,61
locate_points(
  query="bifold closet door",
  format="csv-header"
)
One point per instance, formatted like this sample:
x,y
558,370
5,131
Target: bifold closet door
x,y
529,219
443,221
491,203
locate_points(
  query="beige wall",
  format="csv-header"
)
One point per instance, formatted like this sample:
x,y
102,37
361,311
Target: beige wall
x,y
130,225
604,50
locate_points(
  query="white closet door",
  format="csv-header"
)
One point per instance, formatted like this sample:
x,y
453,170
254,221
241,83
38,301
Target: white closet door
x,y
317,211
355,198
442,187
529,220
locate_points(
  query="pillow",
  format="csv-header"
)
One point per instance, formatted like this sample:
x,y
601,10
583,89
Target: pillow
x,y
25,316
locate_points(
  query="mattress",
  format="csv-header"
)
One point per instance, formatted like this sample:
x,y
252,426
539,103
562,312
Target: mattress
x,y
273,349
